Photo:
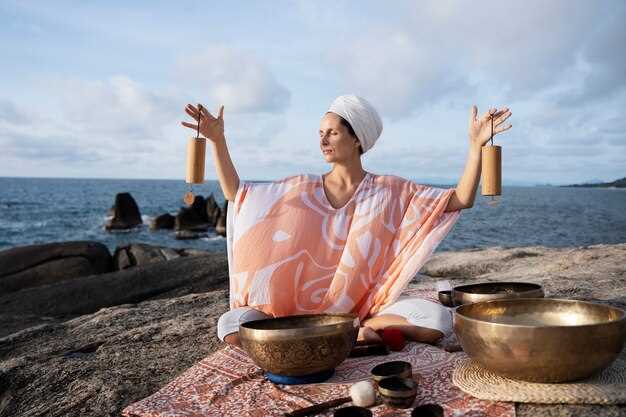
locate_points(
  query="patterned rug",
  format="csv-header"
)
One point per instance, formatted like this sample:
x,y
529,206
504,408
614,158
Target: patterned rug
x,y
227,383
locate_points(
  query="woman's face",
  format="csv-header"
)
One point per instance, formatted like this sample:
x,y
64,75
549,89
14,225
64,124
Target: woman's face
x,y
336,142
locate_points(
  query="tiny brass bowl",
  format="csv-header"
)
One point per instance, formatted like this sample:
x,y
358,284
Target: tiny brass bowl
x,y
299,345
383,370
427,410
445,298
352,411
541,339
473,293
397,392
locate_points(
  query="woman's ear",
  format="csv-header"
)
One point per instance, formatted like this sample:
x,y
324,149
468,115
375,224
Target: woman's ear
x,y
357,143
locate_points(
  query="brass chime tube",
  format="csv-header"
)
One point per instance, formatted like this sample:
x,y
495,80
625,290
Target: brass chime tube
x,y
491,170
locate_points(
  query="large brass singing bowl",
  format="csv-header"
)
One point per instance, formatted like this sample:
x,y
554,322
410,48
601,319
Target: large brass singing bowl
x,y
541,340
300,345
473,293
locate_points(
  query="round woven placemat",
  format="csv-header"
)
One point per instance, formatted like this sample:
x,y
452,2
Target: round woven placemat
x,y
608,387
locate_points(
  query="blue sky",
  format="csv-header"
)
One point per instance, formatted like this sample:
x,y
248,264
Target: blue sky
x,y
97,89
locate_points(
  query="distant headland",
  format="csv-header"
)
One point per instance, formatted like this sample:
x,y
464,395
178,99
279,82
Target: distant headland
x,y
621,183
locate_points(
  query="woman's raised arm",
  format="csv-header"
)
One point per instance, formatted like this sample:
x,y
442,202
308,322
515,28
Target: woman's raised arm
x,y
213,129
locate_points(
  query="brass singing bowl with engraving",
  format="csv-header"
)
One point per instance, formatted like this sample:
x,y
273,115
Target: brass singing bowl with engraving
x,y
300,345
541,339
473,293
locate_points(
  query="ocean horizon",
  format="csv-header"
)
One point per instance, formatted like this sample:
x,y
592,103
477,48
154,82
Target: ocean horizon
x,y
42,210
436,181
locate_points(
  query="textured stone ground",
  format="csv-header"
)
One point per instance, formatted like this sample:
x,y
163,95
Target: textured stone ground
x,y
95,364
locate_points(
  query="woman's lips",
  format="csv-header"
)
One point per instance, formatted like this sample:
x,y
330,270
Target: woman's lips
x,y
327,151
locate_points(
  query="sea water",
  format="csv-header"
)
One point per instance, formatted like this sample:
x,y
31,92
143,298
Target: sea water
x,y
41,210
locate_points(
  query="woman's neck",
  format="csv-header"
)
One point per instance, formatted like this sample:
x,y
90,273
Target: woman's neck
x,y
346,175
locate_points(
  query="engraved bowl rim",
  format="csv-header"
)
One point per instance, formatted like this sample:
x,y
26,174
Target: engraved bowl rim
x,y
351,320
494,283
460,312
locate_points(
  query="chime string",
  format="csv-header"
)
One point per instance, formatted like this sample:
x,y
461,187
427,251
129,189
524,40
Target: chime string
x,y
491,138
493,200
199,117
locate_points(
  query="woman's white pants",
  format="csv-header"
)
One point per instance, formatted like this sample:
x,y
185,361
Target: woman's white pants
x,y
417,311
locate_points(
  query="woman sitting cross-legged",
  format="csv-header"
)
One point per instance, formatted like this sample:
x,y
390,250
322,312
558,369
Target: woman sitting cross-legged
x,y
348,241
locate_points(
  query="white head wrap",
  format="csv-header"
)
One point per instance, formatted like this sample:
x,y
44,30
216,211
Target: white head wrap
x,y
362,116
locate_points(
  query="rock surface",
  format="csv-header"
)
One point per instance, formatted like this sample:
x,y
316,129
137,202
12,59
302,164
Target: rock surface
x,y
97,363
212,210
220,226
30,266
193,218
140,254
163,221
126,213
85,295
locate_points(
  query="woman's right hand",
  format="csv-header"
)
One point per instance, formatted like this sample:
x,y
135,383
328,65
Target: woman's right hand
x,y
211,127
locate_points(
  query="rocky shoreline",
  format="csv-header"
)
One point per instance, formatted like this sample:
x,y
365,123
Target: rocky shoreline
x,y
104,332
191,222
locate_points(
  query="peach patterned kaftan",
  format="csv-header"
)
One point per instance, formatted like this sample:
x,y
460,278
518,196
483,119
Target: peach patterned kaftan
x,y
290,252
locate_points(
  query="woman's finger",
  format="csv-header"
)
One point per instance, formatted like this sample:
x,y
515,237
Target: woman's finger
x,y
473,112
500,119
189,125
191,113
502,129
192,108
498,114
221,113
487,114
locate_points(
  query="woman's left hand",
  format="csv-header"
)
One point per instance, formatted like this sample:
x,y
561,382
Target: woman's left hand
x,y
480,129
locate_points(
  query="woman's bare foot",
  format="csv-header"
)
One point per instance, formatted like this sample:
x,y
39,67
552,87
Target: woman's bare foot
x,y
233,339
368,335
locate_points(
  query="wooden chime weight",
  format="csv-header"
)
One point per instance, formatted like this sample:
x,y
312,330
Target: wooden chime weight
x,y
491,156
196,151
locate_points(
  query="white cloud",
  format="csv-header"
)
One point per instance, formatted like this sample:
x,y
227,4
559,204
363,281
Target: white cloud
x,y
101,125
119,127
9,113
116,106
457,50
397,72
235,78
558,65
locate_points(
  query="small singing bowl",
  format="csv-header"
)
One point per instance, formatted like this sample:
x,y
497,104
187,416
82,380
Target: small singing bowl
x,y
400,369
427,410
397,392
300,345
352,411
486,291
541,339
445,298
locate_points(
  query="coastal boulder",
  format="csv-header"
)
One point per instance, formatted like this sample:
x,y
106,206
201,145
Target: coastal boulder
x,y
34,265
164,221
140,254
193,218
220,226
188,219
126,213
212,210
199,207
86,295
